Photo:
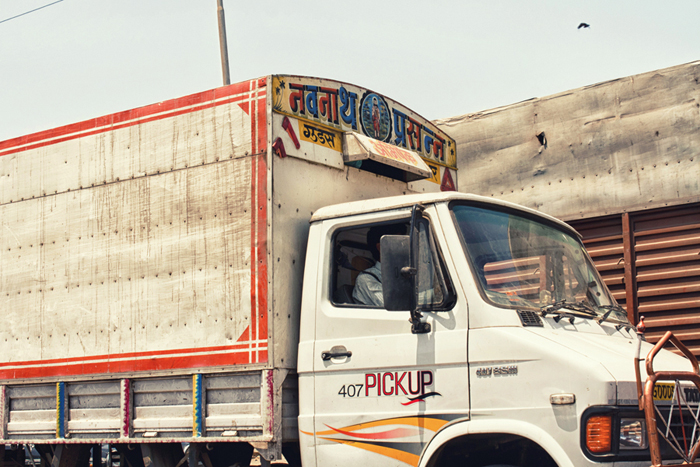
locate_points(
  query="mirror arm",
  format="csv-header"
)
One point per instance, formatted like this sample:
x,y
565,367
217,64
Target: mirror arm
x,y
417,326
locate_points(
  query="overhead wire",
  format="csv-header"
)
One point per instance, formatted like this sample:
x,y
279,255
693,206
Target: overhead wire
x,y
31,11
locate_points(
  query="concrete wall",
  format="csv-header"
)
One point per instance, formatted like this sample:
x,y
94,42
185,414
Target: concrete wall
x,y
624,145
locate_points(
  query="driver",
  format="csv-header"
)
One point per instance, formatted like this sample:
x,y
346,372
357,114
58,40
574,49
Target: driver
x,y
368,286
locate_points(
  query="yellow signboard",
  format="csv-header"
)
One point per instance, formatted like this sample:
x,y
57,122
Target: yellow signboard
x,y
664,391
435,169
327,104
321,136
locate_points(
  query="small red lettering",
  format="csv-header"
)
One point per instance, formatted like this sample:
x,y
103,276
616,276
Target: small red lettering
x,y
390,386
410,383
426,379
392,152
398,384
367,383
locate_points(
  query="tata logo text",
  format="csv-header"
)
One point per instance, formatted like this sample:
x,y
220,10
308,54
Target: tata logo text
x,y
497,370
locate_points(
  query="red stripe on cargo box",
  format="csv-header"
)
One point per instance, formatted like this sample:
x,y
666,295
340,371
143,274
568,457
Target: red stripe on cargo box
x,y
258,234
130,362
192,103
253,250
128,366
261,317
262,222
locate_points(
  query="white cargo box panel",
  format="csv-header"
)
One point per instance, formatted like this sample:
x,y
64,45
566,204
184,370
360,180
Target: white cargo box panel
x,y
135,242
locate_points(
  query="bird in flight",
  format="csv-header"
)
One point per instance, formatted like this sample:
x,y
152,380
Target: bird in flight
x,y
583,25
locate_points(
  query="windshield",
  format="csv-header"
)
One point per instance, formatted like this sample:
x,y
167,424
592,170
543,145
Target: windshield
x,y
520,262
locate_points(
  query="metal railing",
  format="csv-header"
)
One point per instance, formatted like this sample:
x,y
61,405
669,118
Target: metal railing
x,y
679,424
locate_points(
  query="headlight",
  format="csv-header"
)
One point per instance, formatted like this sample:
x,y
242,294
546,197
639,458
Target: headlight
x,y
633,434
615,434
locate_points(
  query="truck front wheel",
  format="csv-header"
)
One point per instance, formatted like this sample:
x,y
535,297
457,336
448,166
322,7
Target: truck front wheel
x,y
491,450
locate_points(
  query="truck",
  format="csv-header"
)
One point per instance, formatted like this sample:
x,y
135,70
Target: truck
x,y
178,284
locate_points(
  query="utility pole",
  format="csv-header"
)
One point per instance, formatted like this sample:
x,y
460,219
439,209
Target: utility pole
x,y
222,42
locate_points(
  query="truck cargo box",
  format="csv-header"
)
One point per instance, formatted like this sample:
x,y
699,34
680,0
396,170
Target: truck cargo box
x,y
151,260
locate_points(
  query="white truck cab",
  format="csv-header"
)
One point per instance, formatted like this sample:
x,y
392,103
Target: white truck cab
x,y
506,347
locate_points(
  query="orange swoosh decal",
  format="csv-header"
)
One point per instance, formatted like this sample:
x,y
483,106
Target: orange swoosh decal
x,y
395,433
432,424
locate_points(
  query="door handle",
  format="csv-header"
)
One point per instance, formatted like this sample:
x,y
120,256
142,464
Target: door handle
x,y
336,351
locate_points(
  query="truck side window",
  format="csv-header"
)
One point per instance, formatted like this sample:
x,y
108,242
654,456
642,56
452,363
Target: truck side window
x,y
355,256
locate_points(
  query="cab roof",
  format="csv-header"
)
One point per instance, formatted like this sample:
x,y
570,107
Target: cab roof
x,y
404,201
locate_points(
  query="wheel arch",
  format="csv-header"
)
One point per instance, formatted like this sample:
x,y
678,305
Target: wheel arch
x,y
524,430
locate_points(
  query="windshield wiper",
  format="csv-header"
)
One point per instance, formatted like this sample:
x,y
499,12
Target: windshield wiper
x,y
583,307
578,307
610,309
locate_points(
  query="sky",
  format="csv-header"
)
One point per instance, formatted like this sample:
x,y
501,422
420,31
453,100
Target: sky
x,y
80,59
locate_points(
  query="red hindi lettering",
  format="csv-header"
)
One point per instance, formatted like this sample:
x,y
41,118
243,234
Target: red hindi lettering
x,y
296,98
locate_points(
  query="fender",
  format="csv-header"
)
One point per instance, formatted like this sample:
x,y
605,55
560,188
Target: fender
x,y
519,428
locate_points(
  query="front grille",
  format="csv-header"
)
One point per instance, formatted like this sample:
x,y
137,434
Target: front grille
x,y
681,427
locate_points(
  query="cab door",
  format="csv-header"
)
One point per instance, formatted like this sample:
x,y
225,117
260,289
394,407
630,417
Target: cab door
x,y
381,392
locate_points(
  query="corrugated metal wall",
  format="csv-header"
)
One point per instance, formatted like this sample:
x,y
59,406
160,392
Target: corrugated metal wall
x,y
651,262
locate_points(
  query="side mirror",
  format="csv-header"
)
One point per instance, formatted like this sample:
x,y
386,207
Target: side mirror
x,y
397,288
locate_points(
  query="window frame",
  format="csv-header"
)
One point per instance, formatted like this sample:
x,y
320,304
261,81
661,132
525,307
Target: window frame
x,y
524,215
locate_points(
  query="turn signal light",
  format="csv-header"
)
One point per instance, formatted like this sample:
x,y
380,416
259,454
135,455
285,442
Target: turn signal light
x,y
599,433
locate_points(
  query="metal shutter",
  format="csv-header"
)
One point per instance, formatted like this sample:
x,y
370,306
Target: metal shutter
x,y
667,260
603,240
650,260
